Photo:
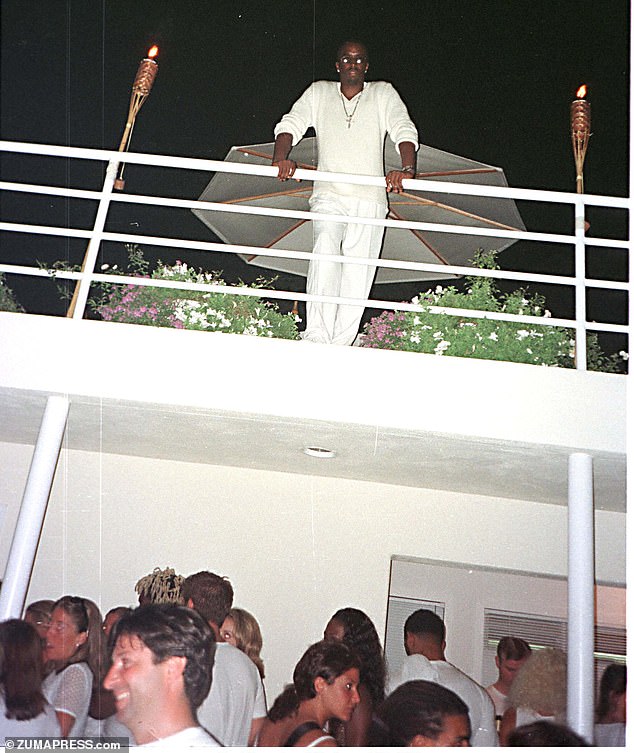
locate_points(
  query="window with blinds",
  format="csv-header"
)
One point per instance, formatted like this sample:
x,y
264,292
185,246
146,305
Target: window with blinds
x,y
398,610
539,632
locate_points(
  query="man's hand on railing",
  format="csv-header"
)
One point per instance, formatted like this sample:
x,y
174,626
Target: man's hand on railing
x,y
285,169
394,179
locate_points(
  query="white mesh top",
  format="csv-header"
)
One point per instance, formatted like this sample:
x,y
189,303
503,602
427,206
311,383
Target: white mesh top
x,y
69,691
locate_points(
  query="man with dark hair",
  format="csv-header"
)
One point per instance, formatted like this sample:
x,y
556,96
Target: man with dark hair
x,y
213,595
511,654
235,709
351,118
162,661
425,648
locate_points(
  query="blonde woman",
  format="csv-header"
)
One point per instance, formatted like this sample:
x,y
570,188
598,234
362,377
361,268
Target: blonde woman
x,y
241,630
538,692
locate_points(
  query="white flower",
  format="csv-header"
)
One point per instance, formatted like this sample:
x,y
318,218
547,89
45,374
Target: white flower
x,y
415,300
547,314
528,350
624,354
493,336
105,266
439,290
414,339
437,335
416,320
441,347
522,334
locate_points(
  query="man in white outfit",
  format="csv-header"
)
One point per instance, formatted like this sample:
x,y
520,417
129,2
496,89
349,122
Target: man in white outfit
x,y
425,647
235,708
351,119
161,670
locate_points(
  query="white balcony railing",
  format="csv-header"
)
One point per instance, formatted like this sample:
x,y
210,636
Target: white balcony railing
x,y
106,197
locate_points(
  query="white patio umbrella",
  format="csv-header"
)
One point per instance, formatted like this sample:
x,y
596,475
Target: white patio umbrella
x,y
399,244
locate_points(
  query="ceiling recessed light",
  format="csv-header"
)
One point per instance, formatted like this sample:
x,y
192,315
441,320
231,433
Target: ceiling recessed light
x,y
319,452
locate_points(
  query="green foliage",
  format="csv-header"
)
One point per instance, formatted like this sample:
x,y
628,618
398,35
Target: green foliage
x,y
8,301
187,309
443,334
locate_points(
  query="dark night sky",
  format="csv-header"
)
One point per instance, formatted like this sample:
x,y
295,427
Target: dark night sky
x,y
489,79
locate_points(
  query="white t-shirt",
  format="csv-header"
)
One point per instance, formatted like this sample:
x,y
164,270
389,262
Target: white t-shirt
x,y
235,699
44,725
500,701
357,149
108,727
191,737
481,711
69,691
609,735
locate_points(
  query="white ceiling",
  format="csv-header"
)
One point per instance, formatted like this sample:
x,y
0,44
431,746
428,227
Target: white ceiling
x,y
392,456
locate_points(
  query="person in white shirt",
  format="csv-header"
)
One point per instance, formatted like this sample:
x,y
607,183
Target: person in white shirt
x,y
425,647
609,730
235,708
74,655
510,656
351,119
24,710
161,671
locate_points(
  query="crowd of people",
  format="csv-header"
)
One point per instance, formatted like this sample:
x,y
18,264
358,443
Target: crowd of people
x,y
184,669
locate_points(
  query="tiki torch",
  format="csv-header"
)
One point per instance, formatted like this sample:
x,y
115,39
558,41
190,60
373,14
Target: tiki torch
x,y
580,131
145,75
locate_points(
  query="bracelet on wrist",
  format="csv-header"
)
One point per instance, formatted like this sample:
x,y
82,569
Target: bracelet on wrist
x,y
408,169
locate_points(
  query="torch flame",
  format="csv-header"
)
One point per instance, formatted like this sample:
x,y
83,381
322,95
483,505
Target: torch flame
x,y
582,91
153,52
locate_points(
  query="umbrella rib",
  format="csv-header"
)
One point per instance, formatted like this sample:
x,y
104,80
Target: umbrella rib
x,y
461,212
419,235
253,153
470,171
279,238
288,192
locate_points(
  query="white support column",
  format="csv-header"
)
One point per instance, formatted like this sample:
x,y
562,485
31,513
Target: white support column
x,y
580,595
33,508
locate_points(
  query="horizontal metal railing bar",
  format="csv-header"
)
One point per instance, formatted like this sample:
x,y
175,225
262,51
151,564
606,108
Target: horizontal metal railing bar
x,y
209,165
297,296
308,255
310,216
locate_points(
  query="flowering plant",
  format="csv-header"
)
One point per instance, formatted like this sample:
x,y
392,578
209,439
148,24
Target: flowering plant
x,y
8,301
187,309
444,334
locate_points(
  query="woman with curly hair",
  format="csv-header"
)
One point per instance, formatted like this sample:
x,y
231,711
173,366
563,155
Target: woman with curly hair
x,y
354,628
325,686
241,630
538,692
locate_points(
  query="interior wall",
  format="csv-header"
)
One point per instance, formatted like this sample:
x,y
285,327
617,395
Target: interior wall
x,y
296,548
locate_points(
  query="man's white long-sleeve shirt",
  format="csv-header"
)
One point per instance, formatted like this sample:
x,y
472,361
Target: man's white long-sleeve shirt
x,y
372,114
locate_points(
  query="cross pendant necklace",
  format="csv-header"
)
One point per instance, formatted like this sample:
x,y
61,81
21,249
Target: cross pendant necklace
x,y
350,115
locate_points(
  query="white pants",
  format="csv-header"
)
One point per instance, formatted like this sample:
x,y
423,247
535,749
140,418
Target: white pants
x,y
329,322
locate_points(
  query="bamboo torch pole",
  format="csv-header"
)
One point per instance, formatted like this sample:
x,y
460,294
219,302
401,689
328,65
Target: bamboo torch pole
x,y
143,81
580,131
